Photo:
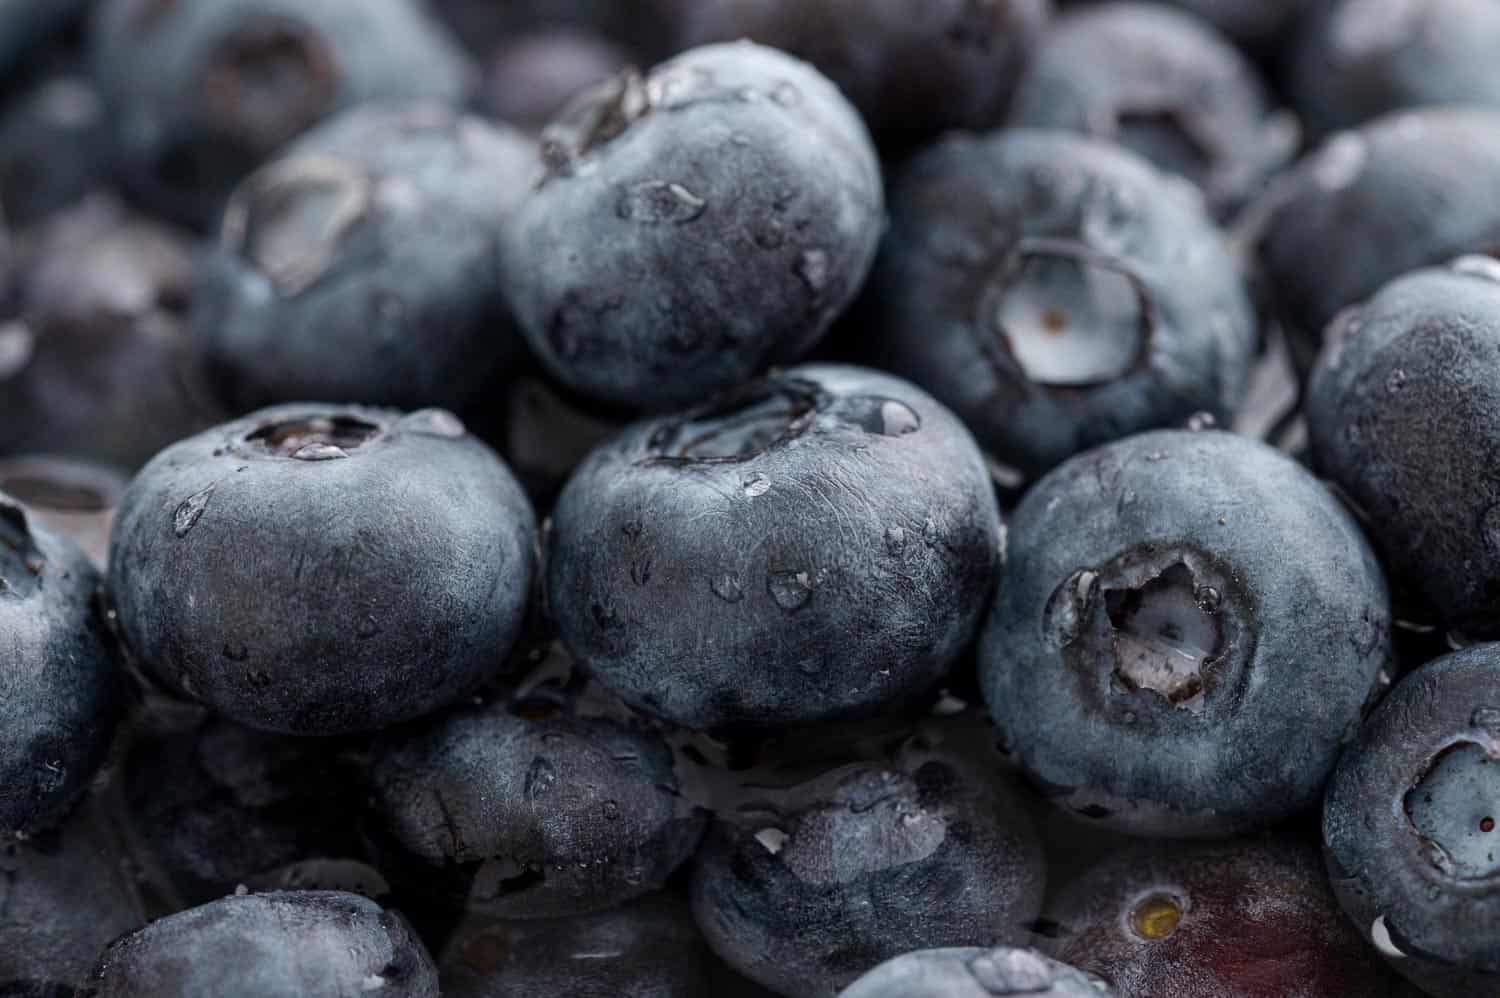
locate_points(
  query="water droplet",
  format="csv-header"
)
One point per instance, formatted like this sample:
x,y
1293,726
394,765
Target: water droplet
x,y
17,345
1200,421
434,423
756,485
539,779
1395,381
368,626
790,589
1381,937
658,202
1341,161
1478,265
812,268
612,810
319,452
727,587
1156,917
1011,972
190,511
898,419
1156,457
948,705
786,94
1208,599
895,540
774,839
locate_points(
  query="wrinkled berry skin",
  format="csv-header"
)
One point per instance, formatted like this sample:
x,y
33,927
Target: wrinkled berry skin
x,y
813,545
1403,411
694,226
1411,189
67,896
806,888
312,943
1246,919
214,805
1173,603
646,949
508,817
358,266
1354,60
101,364
963,972
1409,825
1164,84
59,671
201,93
319,570
912,70
971,211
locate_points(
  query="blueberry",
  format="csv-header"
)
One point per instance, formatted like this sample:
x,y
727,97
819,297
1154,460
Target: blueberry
x,y
1057,292
1174,603
1164,84
693,226
28,28
911,71
201,93
530,76
975,973
67,894
61,673
1402,408
1248,919
1254,24
100,362
213,805
646,949
1409,825
358,265
813,545
512,817
1408,190
313,944
1355,59
52,144
805,887
76,499
322,569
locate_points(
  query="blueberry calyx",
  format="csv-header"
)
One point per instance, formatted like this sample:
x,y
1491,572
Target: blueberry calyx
x,y
1063,315
317,438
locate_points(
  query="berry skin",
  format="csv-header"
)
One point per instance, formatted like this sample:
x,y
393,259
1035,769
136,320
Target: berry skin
x,y
1244,919
1410,825
1411,189
60,673
291,944
693,227
805,887
1403,409
912,70
199,94
814,545
321,570
358,265
1153,634
1161,83
489,812
1057,292
975,973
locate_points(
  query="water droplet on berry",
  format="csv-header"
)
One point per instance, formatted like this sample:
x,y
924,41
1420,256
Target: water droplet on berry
x,y
190,511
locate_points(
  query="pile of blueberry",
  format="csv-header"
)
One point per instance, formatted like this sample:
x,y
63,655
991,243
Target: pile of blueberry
x,y
805,498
